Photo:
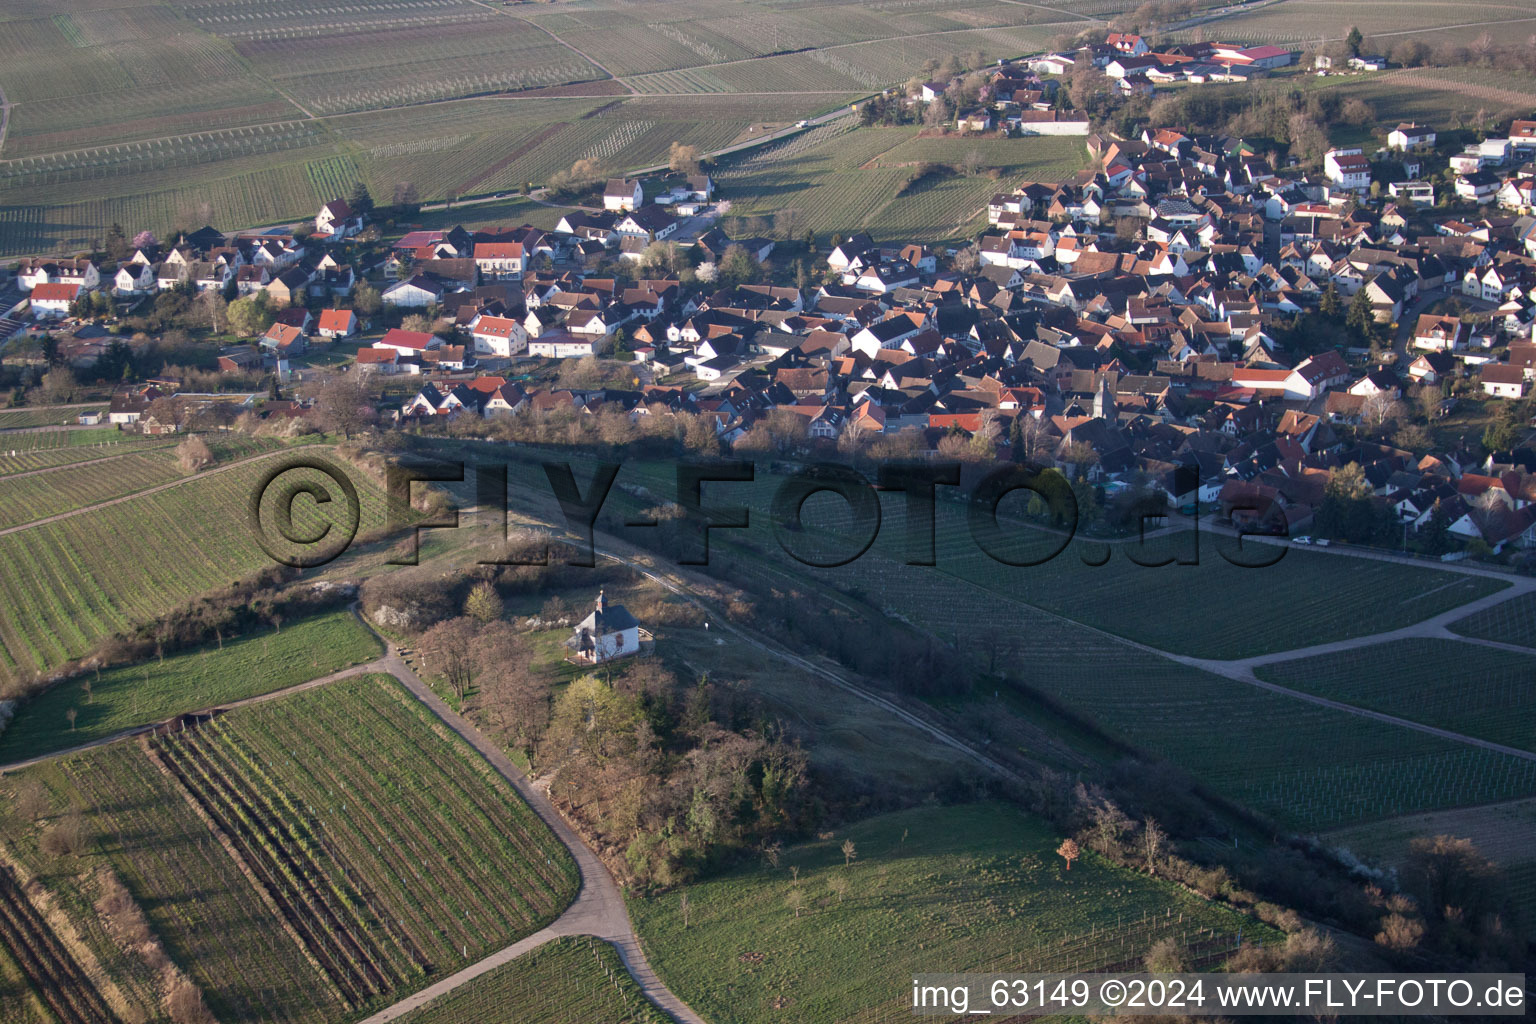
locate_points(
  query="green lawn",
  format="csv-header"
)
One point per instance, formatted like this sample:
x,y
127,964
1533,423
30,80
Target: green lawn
x,y
932,889
570,979
138,694
1479,691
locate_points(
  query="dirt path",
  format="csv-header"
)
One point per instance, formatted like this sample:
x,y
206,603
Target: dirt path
x,y
84,462
377,665
599,909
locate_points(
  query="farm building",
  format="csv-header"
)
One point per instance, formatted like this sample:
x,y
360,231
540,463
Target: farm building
x,y
609,632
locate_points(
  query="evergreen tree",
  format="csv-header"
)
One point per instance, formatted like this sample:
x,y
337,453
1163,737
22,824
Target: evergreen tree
x,y
360,201
1353,40
1361,317
1331,306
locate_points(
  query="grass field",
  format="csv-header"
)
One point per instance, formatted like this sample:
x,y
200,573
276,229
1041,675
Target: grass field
x,y
932,889
139,694
569,979
72,582
1479,691
402,849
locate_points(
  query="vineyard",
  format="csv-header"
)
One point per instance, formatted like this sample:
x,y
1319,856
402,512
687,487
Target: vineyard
x,y
250,198
70,583
157,156
847,180
1510,622
325,797
980,884
569,979
41,416
39,495
1477,691
24,442
49,970
1303,21
121,698
211,919
113,472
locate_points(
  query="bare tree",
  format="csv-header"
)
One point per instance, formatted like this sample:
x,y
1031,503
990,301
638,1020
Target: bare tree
x,y
850,852
1379,410
1152,839
193,454
344,406
448,648
795,901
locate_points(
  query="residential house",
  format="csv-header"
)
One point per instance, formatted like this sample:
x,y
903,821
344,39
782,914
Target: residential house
x,y
133,279
498,336
1409,136
51,300
1503,381
623,194
500,261
336,220
338,323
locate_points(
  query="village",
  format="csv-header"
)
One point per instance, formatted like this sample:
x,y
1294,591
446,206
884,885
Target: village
x,y
1182,317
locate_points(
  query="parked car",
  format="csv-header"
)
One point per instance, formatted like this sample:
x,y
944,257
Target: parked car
x,y
1303,539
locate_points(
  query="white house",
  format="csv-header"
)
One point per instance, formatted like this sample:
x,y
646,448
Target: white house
x,y
1503,381
607,633
134,279
1409,136
82,273
1480,187
623,194
408,343
1348,168
416,293
500,260
498,336
650,223
337,323
337,220
51,300
560,346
